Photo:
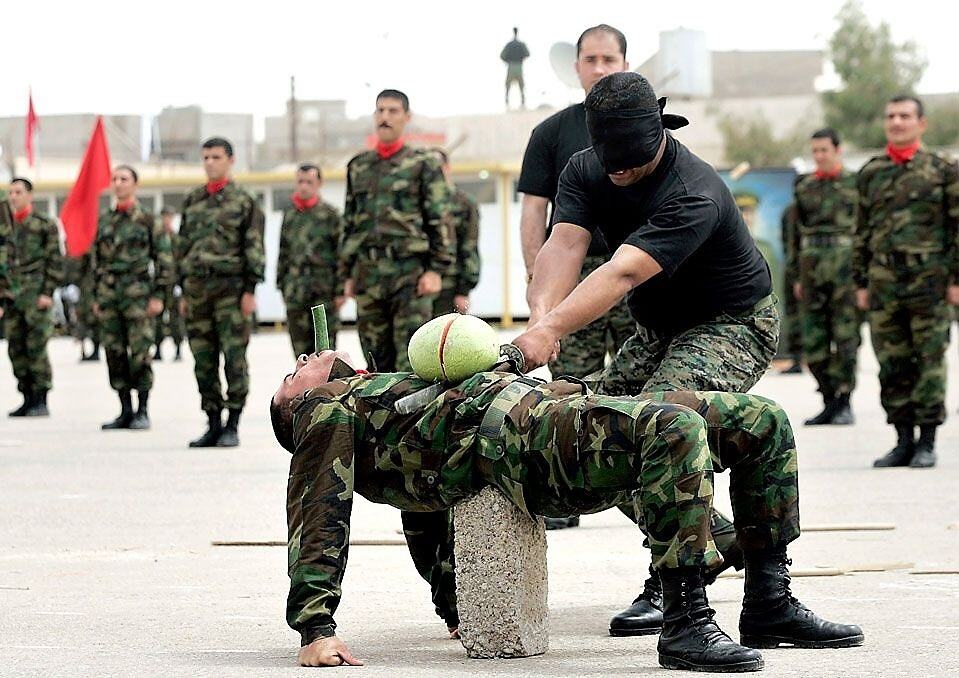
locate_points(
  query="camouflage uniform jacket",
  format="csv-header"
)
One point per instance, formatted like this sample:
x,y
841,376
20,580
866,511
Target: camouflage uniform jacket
x,y
132,256
824,208
464,274
908,210
6,232
221,236
34,260
402,204
309,254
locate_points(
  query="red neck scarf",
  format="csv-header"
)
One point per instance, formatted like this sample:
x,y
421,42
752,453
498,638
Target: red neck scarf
x,y
828,175
22,215
902,154
302,205
386,151
126,205
214,187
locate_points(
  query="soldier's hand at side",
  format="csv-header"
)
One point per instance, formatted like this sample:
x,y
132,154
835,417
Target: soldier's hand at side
x,y
327,652
862,299
429,283
247,304
461,303
1,310
95,309
44,302
182,307
338,303
797,291
154,307
952,295
349,288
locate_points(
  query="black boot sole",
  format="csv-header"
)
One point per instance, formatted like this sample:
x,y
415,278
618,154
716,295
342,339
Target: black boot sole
x,y
772,642
624,633
668,662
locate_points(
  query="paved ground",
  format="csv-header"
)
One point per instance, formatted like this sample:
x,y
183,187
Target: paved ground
x,y
107,567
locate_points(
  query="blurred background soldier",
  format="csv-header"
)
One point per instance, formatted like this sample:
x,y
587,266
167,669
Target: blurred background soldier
x,y
88,326
35,266
170,322
821,252
514,54
309,253
463,275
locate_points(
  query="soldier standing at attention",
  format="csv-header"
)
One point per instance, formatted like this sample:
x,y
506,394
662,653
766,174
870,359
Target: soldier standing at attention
x,y
220,261
309,253
821,251
35,270
906,271
170,322
514,54
133,271
463,275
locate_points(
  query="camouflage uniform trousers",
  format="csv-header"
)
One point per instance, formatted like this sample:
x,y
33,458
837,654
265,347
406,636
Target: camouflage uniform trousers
x,y
830,318
388,310
127,334
215,326
792,321
584,351
170,322
88,325
909,323
28,329
299,323
729,353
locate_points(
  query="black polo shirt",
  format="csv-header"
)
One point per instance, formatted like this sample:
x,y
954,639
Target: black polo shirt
x,y
684,216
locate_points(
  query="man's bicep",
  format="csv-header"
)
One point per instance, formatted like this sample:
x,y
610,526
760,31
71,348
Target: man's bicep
x,y
570,237
635,262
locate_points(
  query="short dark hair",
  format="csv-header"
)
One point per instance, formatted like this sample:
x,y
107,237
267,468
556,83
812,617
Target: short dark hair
x,y
395,94
219,142
603,28
310,167
281,416
133,172
619,91
27,184
899,98
827,133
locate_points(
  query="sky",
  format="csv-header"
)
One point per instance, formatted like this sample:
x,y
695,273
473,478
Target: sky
x,y
104,56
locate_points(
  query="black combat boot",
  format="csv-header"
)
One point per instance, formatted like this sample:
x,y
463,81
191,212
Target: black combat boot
x,y
27,402
561,523
925,456
691,640
177,357
38,408
904,450
230,436
93,355
158,352
830,407
141,420
645,615
772,617
213,430
126,414
843,415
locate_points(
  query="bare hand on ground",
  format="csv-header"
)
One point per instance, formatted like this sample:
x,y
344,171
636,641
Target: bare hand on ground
x,y
327,652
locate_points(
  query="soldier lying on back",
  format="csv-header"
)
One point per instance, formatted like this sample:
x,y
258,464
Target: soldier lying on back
x,y
553,450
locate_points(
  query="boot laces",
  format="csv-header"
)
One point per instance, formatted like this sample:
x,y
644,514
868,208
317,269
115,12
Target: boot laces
x,y
651,589
785,582
706,628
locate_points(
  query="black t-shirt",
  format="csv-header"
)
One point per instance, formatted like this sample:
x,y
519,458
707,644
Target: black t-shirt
x,y
685,218
550,147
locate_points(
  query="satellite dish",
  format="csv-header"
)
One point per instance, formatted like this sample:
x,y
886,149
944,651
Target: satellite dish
x,y
562,57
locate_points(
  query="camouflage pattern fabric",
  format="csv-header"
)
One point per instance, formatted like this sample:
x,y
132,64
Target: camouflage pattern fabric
x,y
6,233
309,255
219,257
821,250
429,537
170,322
88,325
792,318
133,263
550,448
905,255
35,265
463,274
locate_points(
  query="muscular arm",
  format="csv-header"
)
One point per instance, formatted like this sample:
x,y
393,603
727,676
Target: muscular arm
x,y
557,268
532,227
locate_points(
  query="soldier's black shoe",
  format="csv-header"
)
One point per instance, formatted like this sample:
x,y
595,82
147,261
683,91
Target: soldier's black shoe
x,y
772,617
843,415
925,456
230,437
126,414
213,431
561,523
831,404
903,452
158,353
38,407
177,357
141,420
22,410
691,640
645,615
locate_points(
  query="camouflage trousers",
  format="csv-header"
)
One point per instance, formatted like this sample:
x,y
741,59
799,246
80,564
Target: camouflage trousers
x,y
831,321
216,327
299,323
88,326
429,537
792,323
28,329
909,323
388,310
170,322
127,335
584,351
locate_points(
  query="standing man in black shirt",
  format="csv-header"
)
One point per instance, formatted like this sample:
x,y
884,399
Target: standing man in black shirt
x,y
600,50
696,283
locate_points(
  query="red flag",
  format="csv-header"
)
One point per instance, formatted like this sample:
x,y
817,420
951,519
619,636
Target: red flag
x,y
80,211
33,124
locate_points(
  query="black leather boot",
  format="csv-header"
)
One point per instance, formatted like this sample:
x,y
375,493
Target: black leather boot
x,y
213,430
27,402
691,640
772,617
645,615
904,450
561,523
828,412
843,415
126,414
158,352
141,420
925,456
177,357
38,408
230,436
